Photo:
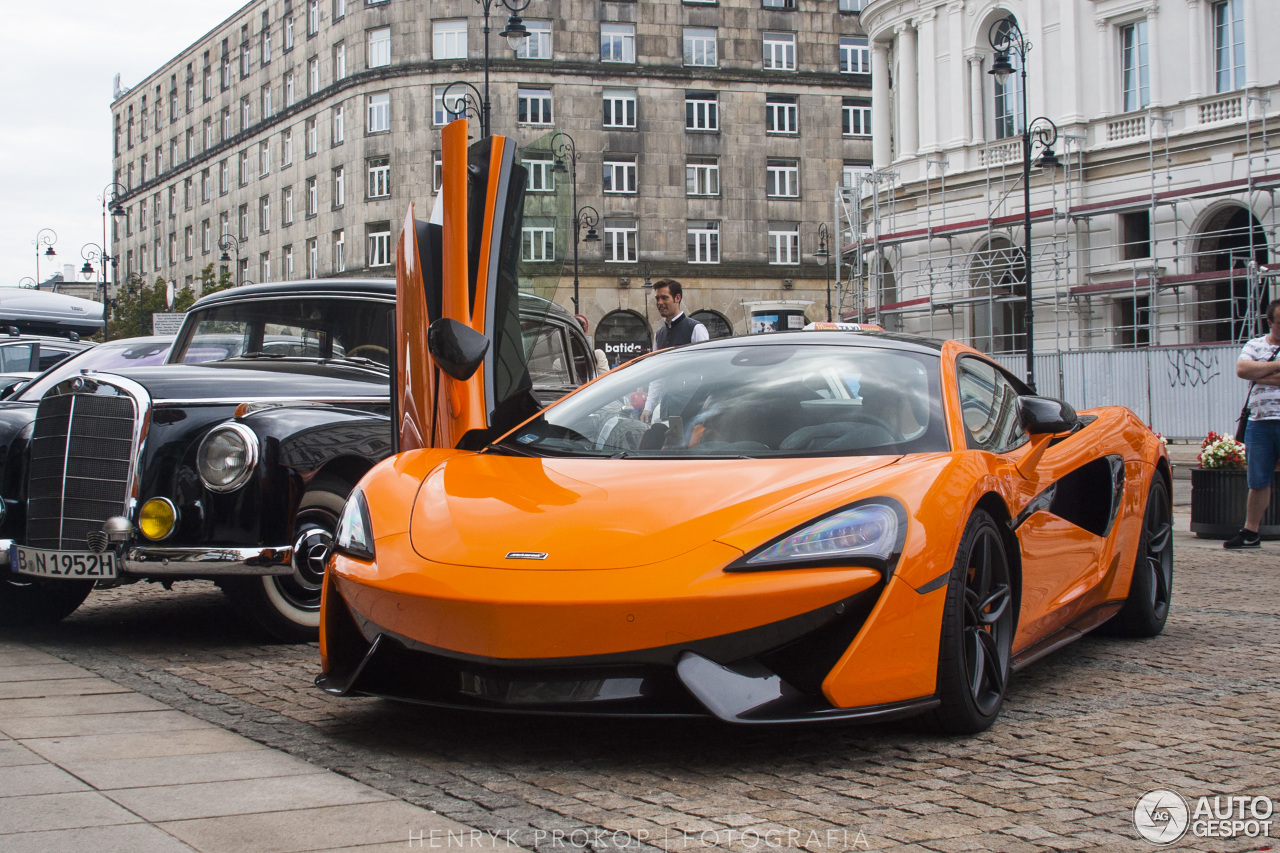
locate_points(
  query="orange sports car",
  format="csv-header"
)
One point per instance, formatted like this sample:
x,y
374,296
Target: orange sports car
x,y
812,526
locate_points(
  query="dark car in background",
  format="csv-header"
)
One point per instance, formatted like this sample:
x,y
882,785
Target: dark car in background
x,y
23,357
232,460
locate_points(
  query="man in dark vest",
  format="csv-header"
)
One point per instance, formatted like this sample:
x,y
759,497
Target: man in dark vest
x,y
676,330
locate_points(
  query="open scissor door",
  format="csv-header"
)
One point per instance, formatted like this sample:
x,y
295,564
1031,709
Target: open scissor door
x,y
462,377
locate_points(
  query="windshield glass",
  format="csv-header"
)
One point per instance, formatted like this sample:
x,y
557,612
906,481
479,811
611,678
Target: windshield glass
x,y
130,352
757,400
279,328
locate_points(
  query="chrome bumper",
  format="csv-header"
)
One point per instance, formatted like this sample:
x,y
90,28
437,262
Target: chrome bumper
x,y
188,562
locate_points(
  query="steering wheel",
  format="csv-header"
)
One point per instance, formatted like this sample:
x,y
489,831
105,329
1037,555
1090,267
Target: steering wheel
x,y
867,418
355,352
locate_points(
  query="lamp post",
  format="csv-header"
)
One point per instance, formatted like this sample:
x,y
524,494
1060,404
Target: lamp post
x,y
1006,37
26,281
110,207
564,149
46,240
514,32
93,252
823,256
226,243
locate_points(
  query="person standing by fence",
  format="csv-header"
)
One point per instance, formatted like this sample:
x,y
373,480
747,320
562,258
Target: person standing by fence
x,y
1259,365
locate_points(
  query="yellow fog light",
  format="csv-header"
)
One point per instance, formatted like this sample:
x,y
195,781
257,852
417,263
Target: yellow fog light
x,y
158,518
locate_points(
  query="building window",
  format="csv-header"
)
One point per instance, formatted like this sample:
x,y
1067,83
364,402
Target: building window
x,y
339,124
1135,84
851,173
206,189
701,111
286,149
779,4
313,17
244,168
206,134
1133,321
699,47
173,201
339,187
703,242
264,214
246,113
620,241
853,5
313,75
618,43
784,243
379,53
437,171
264,266
173,248
224,177
206,237
142,167
539,242
313,258
378,113
266,41
855,55
224,123
619,176
1228,45
1008,101
286,264
290,90
782,178
188,242
379,177
288,34
340,250
339,9
533,106
246,61
780,51
313,136
286,206
224,69
242,220
313,197
340,61
702,176
1135,234
188,187
380,245
446,110
264,159
781,114
619,108
542,177
538,44
449,40
855,119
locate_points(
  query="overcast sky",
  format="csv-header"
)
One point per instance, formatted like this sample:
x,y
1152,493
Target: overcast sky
x,y
58,58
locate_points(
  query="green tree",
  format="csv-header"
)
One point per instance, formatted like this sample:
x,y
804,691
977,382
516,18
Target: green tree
x,y
137,301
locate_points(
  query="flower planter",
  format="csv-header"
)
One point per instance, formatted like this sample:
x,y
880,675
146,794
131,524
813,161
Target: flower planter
x,y
1218,499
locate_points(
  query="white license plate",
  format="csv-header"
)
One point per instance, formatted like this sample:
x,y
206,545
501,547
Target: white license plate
x,y
75,565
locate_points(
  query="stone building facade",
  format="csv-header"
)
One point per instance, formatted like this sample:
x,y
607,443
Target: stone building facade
x,y
711,138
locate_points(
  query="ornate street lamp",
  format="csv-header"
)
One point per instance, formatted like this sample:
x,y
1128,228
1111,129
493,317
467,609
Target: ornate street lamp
x,y
823,256
1006,37
475,103
46,240
226,243
564,149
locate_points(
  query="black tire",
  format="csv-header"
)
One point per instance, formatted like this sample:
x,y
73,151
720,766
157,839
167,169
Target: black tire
x,y
36,601
288,606
977,631
1146,609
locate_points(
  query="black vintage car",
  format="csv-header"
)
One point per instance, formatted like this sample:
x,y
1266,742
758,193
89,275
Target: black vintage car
x,y
232,460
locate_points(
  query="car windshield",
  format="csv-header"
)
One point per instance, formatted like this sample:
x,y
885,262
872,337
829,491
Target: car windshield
x,y
750,400
313,328
130,352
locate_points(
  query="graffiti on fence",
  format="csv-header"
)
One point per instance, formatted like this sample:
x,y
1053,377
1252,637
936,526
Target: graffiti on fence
x,y
1188,367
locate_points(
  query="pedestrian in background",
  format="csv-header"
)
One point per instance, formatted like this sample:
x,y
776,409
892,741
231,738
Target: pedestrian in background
x,y
1259,365
677,330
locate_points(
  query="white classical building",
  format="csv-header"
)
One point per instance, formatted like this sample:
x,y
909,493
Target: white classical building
x,y
1158,227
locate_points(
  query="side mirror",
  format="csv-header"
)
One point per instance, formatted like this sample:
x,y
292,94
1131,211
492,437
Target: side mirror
x,y
456,347
8,389
1045,416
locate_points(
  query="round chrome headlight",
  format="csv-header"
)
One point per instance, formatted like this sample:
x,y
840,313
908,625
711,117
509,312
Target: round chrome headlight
x,y
226,457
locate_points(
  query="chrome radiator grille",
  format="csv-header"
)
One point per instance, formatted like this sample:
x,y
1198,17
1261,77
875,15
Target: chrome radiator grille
x,y
81,454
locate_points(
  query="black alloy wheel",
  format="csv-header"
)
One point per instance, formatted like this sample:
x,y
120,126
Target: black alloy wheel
x,y
1146,608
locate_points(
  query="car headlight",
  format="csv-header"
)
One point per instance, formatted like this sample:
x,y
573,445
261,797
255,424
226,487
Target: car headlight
x,y
226,457
868,533
355,535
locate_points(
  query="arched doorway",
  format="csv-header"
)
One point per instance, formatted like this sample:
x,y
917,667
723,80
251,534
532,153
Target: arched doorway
x,y
623,335
718,326
1228,240
997,286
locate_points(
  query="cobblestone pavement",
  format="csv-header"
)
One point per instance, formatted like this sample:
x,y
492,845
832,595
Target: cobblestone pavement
x,y
1084,733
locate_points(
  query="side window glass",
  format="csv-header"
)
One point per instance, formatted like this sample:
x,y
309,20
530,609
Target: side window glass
x,y
15,358
50,357
582,360
987,406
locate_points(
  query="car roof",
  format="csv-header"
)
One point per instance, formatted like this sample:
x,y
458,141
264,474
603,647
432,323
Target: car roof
x,y
377,287
6,338
879,340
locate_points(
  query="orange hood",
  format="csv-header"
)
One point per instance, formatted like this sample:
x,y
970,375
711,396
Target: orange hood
x,y
474,510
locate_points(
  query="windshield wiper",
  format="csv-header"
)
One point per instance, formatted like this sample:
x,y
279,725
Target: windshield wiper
x,y
495,447
360,360
259,354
